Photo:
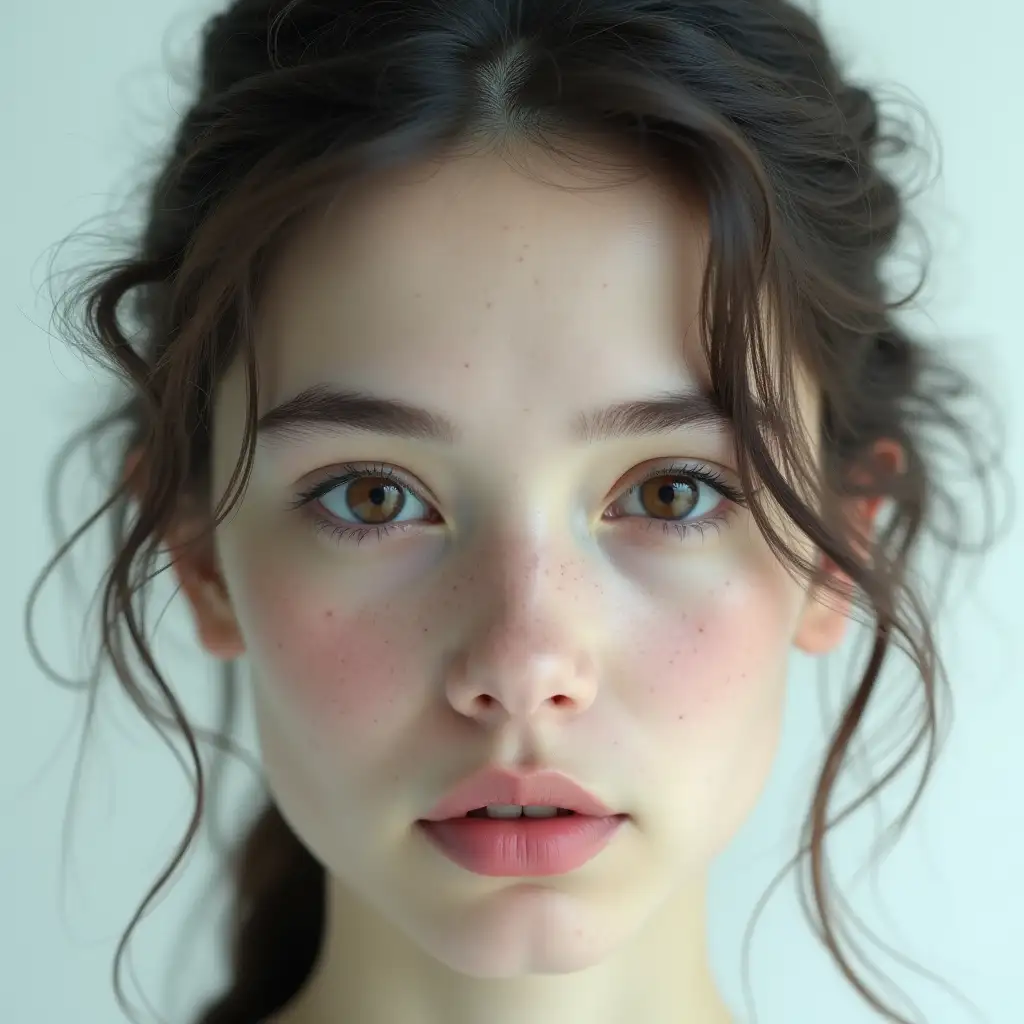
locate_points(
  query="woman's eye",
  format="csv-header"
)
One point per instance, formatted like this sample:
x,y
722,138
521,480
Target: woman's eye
x,y
673,496
373,501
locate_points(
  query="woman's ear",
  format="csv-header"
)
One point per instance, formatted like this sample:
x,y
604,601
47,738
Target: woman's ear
x,y
195,563
827,611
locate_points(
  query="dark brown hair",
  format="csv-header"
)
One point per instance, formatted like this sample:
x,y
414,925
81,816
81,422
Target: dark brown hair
x,y
741,99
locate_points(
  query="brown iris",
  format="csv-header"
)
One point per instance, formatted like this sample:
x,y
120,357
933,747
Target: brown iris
x,y
669,497
374,499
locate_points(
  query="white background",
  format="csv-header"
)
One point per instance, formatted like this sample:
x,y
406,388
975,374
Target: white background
x,y
87,95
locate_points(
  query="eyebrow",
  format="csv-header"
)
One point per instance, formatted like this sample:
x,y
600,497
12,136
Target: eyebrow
x,y
324,409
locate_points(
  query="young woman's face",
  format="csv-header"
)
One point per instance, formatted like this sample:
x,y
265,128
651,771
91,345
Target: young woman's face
x,y
520,592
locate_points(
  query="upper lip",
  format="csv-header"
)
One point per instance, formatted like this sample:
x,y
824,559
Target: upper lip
x,y
502,786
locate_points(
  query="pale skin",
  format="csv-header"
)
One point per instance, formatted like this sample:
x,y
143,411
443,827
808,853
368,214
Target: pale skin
x,y
649,665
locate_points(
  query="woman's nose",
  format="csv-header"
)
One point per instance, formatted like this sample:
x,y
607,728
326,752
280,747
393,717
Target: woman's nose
x,y
522,678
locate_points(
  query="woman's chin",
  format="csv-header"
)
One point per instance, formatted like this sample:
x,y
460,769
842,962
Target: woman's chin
x,y
526,929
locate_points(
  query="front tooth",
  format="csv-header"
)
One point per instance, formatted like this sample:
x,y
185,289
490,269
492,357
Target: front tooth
x,y
540,812
516,811
504,810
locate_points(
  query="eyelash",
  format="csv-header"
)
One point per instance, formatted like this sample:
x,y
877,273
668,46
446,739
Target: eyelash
x,y
357,534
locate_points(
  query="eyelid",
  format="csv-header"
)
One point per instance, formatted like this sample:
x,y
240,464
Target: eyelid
x,y
714,475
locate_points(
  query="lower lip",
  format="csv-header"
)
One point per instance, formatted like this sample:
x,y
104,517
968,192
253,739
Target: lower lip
x,y
519,847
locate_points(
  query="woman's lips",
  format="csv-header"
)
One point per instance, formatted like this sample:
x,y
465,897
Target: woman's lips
x,y
521,847
495,785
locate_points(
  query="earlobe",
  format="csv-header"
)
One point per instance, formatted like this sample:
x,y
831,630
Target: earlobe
x,y
827,612
829,600
823,622
212,613
196,567
207,595
215,622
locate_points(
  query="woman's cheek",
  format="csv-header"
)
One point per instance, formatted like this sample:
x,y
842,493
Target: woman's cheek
x,y
331,667
720,655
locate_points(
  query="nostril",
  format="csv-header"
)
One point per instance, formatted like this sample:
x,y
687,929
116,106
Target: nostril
x,y
560,699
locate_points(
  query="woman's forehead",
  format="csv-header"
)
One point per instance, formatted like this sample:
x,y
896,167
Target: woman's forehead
x,y
481,263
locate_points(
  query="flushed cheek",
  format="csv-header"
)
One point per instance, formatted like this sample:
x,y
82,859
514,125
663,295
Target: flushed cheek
x,y
332,672
723,652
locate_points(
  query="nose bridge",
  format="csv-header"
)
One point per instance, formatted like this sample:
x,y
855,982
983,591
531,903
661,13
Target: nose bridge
x,y
531,645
